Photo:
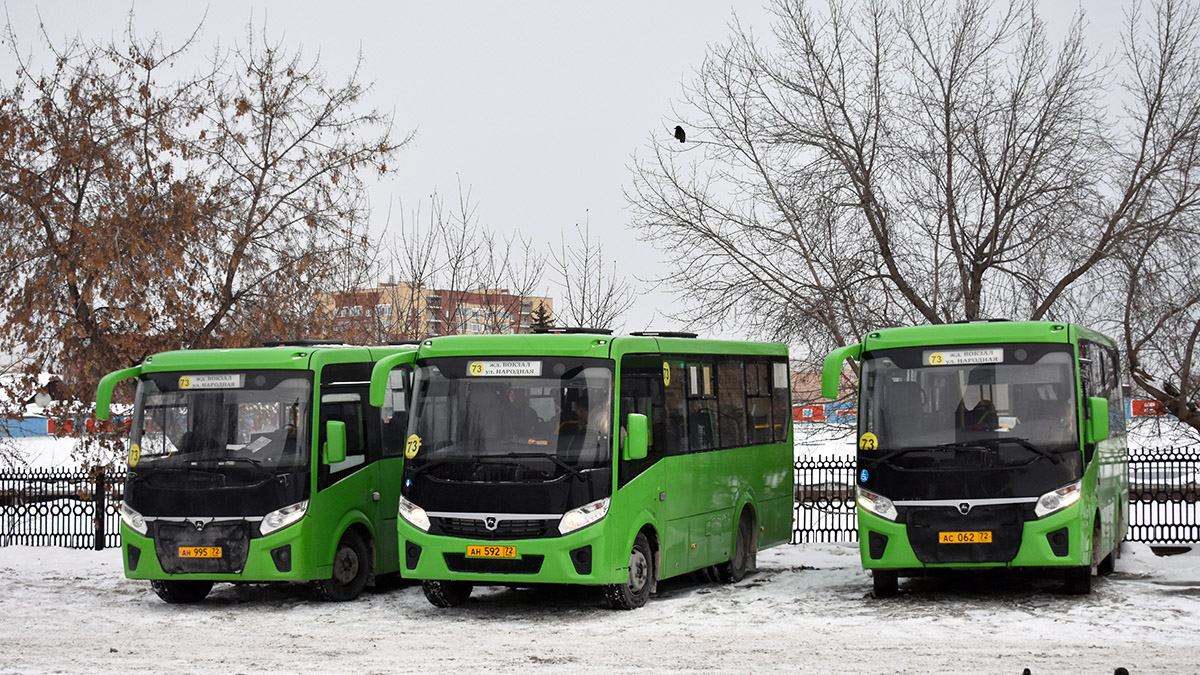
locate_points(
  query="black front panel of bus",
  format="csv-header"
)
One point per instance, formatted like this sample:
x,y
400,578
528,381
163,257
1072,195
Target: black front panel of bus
x,y
550,497
209,493
908,483
1005,522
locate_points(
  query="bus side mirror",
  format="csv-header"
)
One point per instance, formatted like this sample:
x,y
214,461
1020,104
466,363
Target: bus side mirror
x,y
831,370
335,442
1097,421
635,437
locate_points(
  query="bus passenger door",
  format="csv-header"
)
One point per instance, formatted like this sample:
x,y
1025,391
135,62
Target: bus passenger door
x,y
393,428
639,482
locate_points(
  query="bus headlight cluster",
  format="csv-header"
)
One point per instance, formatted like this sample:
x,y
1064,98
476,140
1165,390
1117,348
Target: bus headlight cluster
x,y
281,518
877,504
133,519
583,516
1057,500
414,514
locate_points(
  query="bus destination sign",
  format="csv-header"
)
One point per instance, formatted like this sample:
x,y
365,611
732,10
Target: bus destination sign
x,y
505,369
963,357
224,381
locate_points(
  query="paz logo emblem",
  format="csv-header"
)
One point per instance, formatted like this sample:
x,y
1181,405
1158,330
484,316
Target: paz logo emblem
x,y
490,523
199,524
964,508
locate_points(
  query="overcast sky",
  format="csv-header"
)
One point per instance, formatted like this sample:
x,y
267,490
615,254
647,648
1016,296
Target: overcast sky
x,y
537,107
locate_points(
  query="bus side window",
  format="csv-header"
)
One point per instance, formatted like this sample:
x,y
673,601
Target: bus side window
x,y
758,402
731,395
702,406
394,413
642,393
674,437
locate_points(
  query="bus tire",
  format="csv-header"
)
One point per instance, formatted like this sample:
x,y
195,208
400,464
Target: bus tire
x,y
634,592
351,570
1109,563
886,583
444,593
1079,579
734,569
181,592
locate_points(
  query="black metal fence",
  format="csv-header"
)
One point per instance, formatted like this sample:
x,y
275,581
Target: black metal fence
x,y
54,507
57,507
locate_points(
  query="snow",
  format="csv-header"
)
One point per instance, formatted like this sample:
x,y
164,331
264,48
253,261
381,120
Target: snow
x,y
809,609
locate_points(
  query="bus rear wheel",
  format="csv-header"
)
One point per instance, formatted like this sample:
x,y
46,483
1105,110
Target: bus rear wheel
x,y
886,583
351,570
636,589
181,592
442,593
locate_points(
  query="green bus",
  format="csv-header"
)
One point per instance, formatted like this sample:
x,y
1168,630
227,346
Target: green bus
x,y
258,464
988,444
577,457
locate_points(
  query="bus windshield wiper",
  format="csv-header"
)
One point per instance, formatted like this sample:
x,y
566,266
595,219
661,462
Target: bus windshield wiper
x,y
414,472
1024,443
915,448
553,458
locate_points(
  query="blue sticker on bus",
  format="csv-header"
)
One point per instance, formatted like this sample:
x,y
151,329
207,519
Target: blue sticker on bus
x,y
863,476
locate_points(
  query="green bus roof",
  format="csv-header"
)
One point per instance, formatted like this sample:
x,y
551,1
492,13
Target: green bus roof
x,y
287,357
980,332
586,345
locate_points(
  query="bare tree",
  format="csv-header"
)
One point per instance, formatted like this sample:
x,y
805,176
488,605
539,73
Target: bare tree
x,y
141,212
889,163
593,295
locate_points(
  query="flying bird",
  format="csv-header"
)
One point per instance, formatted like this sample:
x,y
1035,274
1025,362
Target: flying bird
x,y
680,133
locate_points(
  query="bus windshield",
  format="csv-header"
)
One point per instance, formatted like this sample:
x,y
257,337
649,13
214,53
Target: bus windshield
x,y
510,419
969,406
210,420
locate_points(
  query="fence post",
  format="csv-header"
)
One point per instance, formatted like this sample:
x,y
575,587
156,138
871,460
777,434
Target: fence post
x,y
101,515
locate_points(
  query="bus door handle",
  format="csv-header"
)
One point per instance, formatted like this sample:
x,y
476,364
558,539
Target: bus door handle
x,y
662,496
374,496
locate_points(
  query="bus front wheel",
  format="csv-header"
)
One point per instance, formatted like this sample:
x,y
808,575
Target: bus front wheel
x,y
734,569
442,593
886,583
1079,579
351,569
636,589
181,592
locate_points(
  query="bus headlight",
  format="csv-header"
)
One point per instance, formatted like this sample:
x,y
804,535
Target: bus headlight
x,y
877,504
583,516
1057,500
133,519
281,518
414,514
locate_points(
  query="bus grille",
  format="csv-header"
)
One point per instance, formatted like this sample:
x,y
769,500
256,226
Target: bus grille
x,y
233,538
458,562
473,528
1005,522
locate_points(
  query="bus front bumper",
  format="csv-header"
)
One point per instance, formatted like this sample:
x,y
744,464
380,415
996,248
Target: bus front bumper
x,y
585,556
1053,541
279,556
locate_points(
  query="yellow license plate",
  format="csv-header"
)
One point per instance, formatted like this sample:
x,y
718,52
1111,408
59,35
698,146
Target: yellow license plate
x,y
199,551
982,537
491,551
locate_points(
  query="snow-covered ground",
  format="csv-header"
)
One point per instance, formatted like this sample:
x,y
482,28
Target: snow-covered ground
x,y
808,610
